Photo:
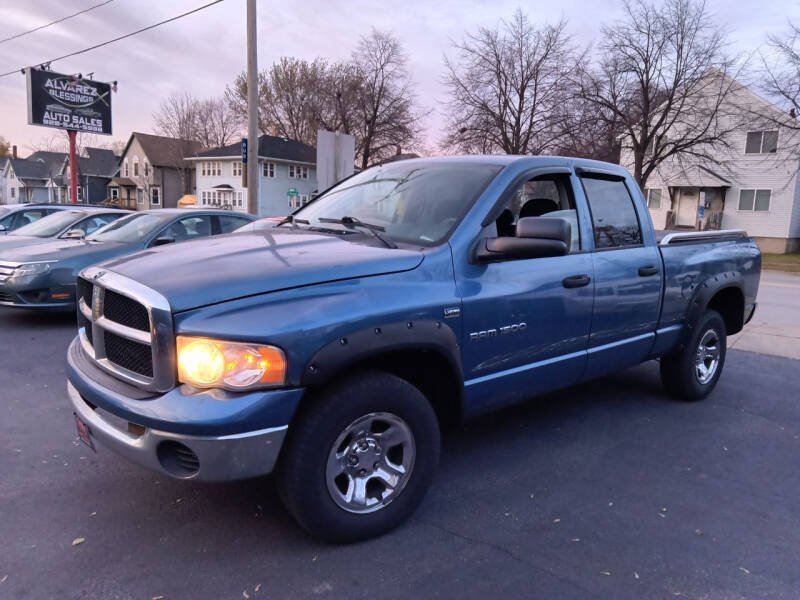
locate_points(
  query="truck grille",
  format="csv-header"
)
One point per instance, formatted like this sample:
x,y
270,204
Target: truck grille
x,y
128,354
126,328
125,311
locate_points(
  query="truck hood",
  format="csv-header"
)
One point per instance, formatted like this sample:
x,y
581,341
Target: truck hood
x,y
211,270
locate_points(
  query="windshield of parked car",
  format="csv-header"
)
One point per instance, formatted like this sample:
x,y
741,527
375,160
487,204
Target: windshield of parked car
x,y
131,228
415,202
51,224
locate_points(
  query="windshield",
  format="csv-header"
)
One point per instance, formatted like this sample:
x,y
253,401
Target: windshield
x,y
414,202
51,224
130,229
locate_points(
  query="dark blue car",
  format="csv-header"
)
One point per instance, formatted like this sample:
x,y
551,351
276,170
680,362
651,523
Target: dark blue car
x,y
43,276
333,347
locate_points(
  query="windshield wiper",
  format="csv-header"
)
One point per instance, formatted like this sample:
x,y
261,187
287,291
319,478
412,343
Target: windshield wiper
x,y
293,220
354,222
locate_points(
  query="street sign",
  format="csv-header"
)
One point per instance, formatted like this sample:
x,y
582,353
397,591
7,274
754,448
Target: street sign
x,y
244,151
68,102
292,192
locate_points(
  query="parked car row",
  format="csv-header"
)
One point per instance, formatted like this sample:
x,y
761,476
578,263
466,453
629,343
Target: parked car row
x,y
40,261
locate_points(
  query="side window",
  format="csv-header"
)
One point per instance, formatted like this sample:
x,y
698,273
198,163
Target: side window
x,y
228,224
189,228
545,196
613,215
26,217
92,224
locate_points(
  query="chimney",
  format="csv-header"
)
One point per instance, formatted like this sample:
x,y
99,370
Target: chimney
x,y
14,151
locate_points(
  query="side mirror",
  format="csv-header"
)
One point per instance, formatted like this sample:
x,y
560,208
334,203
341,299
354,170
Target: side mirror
x,y
75,234
162,241
536,237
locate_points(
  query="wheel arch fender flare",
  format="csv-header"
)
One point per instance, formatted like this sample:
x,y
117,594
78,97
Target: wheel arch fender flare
x,y
362,344
705,292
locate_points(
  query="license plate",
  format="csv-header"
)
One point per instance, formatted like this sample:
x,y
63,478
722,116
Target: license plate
x,y
84,433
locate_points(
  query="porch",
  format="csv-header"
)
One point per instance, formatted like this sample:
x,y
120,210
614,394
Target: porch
x,y
697,200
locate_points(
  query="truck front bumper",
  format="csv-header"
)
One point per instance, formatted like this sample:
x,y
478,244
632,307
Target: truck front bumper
x,y
203,458
204,435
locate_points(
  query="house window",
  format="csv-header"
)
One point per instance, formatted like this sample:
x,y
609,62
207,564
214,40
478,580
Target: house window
x,y
653,197
125,168
298,172
303,199
155,196
761,142
146,169
294,202
269,169
114,192
13,192
135,166
754,200
239,200
211,168
236,168
139,196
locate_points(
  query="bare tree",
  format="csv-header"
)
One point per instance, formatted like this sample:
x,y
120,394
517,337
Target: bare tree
x,y
386,104
369,96
781,75
177,117
217,124
665,77
509,88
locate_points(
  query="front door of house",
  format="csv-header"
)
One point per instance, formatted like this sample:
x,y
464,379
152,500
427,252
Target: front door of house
x,y
687,207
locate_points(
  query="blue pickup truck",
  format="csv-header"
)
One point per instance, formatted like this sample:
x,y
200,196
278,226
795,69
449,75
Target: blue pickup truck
x,y
334,347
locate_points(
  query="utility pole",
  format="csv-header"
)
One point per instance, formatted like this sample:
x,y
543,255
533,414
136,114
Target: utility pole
x,y
73,167
252,110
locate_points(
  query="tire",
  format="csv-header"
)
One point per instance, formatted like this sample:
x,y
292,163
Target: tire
x,y
681,373
362,417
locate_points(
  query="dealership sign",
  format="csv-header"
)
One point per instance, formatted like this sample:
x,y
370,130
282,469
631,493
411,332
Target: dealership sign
x,y
68,102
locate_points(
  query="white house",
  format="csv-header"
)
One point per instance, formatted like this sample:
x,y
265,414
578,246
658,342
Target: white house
x,y
286,169
751,184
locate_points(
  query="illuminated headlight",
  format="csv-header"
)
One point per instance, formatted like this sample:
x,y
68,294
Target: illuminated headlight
x,y
205,362
35,268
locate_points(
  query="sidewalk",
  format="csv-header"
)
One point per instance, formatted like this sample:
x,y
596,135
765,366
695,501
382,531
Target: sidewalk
x,y
775,328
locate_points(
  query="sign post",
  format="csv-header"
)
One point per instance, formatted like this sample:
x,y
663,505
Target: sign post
x,y
244,162
73,171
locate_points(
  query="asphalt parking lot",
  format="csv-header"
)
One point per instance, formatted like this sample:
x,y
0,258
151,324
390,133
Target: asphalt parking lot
x,y
606,490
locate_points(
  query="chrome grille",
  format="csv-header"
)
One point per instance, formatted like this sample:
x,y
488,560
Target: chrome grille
x,y
6,270
126,328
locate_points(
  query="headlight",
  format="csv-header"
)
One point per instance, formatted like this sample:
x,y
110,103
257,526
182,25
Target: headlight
x,y
206,362
35,268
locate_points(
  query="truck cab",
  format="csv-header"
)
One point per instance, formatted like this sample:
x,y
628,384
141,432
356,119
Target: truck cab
x,y
334,347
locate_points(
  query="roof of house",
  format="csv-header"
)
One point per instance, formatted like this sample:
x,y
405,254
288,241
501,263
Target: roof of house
x,y
269,146
164,151
98,161
39,166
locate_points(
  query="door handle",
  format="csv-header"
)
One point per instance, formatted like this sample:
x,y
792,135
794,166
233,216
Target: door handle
x,y
574,281
647,270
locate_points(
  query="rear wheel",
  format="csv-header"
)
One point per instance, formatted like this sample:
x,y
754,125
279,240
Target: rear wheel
x,y
360,458
692,371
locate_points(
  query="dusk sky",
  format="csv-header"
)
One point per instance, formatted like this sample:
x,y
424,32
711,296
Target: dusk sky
x,y
203,52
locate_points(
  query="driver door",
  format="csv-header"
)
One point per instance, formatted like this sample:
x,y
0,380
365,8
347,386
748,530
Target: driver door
x,y
527,321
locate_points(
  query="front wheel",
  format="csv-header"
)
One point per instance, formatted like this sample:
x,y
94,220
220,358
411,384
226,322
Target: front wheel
x,y
359,458
692,371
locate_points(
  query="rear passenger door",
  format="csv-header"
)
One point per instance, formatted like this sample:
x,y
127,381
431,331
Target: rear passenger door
x,y
627,275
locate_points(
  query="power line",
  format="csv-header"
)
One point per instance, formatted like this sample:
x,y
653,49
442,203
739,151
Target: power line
x,y
116,39
80,12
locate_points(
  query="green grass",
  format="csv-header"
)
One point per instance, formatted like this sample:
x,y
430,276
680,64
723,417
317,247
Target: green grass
x,y
781,262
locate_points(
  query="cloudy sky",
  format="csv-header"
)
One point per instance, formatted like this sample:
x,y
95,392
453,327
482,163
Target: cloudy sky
x,y
203,52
